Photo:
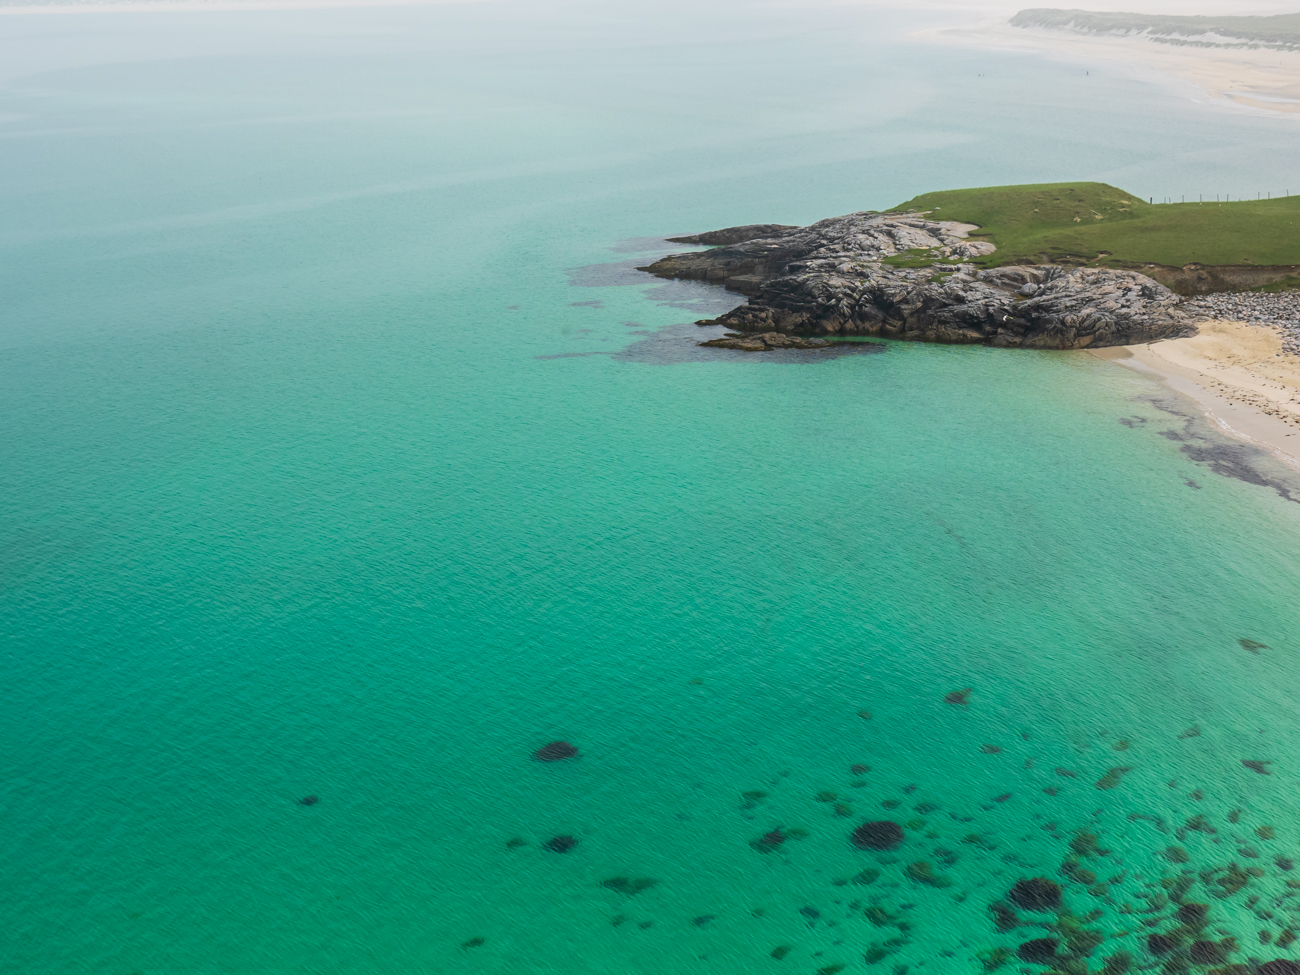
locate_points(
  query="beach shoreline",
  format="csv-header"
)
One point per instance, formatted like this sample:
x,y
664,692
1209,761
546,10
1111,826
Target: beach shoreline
x,y
1233,372
1245,79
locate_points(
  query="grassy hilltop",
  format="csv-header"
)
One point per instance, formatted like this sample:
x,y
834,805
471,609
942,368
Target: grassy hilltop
x,y
1099,225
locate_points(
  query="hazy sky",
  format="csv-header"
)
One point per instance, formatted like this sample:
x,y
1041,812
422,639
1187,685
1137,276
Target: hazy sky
x,y
977,8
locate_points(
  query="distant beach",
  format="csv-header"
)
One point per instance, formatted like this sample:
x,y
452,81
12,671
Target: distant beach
x,y
1250,78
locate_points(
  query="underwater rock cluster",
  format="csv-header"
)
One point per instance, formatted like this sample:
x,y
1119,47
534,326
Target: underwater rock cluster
x,y
1218,901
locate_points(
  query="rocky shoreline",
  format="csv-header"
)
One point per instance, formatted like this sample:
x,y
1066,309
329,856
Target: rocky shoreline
x,y
1279,311
836,279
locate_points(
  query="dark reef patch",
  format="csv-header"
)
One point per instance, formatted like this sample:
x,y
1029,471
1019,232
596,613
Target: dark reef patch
x,y
882,834
1036,894
556,751
1040,950
1202,444
1161,944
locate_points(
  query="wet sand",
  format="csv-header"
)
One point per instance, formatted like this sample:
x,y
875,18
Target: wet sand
x,y
1234,371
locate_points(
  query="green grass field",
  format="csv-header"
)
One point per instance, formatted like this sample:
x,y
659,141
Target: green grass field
x,y
1099,225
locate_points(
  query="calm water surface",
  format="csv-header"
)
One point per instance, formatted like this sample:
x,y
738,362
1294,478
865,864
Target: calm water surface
x,y
343,454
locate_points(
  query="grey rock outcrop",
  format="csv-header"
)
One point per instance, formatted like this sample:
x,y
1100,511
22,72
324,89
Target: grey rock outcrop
x,y
829,280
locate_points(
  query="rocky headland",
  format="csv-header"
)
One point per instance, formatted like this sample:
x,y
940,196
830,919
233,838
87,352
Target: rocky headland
x,y
835,279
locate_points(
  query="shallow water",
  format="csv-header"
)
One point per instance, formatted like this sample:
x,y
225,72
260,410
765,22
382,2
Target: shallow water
x,y
346,455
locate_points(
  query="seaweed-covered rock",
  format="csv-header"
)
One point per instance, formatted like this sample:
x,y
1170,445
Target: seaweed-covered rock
x,y
923,873
1112,778
1161,944
561,844
628,886
1281,966
994,958
1040,950
1004,918
769,841
883,834
555,751
1036,894
1193,914
764,342
1207,953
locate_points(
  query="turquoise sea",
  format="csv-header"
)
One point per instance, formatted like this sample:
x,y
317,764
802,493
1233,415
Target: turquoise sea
x,y
344,454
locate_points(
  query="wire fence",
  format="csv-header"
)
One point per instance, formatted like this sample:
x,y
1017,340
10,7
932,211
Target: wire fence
x,y
1221,198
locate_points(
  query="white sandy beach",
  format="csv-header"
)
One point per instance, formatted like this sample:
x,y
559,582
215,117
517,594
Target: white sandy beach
x,y
1261,80
1233,370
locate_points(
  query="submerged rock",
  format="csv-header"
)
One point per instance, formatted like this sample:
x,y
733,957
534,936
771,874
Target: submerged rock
x,y
1281,966
308,800
959,697
1040,950
769,841
765,342
1255,766
1004,918
1207,953
555,751
561,844
923,873
1161,944
1036,894
883,834
1112,778
628,886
